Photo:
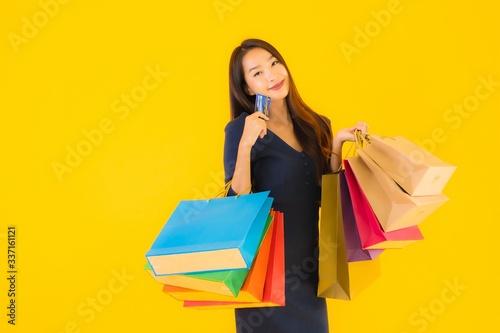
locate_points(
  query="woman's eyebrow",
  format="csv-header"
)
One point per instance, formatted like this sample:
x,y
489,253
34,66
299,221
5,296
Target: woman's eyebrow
x,y
255,67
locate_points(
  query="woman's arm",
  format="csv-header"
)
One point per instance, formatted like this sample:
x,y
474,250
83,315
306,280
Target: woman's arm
x,y
255,127
345,134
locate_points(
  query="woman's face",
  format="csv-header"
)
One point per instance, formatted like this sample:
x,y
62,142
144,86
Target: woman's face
x,y
265,75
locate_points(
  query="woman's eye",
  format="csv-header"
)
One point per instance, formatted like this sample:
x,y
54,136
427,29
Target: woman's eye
x,y
275,62
257,74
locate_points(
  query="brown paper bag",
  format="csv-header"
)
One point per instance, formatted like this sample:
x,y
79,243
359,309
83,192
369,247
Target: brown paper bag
x,y
394,208
416,170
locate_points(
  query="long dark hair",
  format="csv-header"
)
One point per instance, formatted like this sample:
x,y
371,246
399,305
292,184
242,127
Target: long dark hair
x,y
312,130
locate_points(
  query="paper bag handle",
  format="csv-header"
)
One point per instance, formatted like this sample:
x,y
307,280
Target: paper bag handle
x,y
225,190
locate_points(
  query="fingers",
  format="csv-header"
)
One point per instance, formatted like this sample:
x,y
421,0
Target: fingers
x,y
263,118
255,127
361,126
261,123
259,115
258,120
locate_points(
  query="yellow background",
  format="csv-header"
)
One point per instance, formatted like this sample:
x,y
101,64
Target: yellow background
x,y
67,75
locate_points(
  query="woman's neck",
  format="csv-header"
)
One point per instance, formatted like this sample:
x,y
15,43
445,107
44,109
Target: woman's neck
x,y
278,114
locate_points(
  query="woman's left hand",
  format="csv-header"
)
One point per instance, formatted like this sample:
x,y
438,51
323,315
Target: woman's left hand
x,y
347,134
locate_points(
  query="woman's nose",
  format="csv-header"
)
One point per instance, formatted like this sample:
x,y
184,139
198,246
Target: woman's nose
x,y
271,76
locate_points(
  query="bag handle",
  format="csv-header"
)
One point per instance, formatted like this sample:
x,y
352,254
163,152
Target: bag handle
x,y
225,190
361,139
357,143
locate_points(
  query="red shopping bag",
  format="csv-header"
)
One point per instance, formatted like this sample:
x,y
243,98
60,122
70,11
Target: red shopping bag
x,y
354,249
370,231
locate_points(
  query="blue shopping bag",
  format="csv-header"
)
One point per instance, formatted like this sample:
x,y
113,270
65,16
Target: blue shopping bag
x,y
211,235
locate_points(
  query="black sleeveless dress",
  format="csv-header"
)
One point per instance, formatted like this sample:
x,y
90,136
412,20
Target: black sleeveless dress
x,y
290,176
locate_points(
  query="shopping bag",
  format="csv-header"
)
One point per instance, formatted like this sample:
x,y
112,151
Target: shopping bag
x,y
371,234
333,270
394,208
253,286
354,250
363,274
226,283
210,235
274,286
415,169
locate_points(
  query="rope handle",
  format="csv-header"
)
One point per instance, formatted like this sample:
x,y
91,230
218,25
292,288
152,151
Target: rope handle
x,y
360,141
225,190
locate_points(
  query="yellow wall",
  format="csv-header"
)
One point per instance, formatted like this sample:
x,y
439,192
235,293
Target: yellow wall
x,y
139,88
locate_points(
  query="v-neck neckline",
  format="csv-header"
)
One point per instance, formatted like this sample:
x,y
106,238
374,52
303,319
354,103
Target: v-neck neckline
x,y
286,143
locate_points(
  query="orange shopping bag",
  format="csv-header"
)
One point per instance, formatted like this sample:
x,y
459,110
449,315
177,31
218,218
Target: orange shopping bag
x,y
274,287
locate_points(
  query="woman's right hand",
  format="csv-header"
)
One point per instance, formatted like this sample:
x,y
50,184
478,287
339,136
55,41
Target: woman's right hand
x,y
255,127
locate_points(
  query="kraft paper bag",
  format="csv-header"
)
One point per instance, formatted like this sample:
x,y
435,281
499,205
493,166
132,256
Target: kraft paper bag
x,y
333,269
394,208
211,235
274,287
415,169
354,250
370,231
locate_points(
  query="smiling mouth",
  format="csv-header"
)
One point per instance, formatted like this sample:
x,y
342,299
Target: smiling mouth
x,y
277,86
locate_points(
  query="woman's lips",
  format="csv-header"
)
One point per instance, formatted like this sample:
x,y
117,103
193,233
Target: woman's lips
x,y
277,86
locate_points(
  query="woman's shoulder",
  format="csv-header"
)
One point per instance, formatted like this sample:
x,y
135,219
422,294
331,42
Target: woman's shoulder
x,y
237,124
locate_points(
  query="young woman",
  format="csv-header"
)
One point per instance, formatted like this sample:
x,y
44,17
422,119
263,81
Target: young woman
x,y
285,153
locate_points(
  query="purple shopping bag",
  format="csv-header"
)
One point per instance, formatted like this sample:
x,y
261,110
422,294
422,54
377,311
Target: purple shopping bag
x,y
354,249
